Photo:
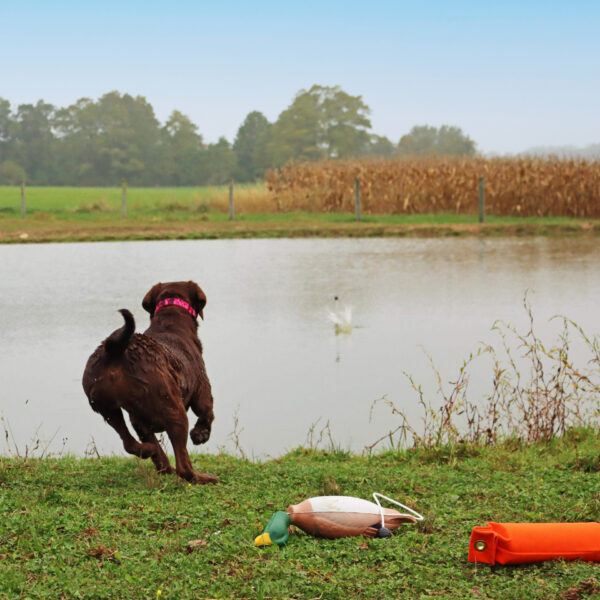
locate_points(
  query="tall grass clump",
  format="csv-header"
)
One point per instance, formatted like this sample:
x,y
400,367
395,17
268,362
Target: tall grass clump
x,y
252,198
521,186
536,393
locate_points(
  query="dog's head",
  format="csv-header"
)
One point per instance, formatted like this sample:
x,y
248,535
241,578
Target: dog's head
x,y
185,290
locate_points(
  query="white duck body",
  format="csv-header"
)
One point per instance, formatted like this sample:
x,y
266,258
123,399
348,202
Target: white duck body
x,y
341,318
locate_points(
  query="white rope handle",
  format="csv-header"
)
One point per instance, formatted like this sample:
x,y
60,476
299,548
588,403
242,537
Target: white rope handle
x,y
377,495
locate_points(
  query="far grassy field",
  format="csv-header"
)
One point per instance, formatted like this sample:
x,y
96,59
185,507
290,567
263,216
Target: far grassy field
x,y
82,214
112,528
80,203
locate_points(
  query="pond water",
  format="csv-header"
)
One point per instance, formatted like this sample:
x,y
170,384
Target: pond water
x,y
276,366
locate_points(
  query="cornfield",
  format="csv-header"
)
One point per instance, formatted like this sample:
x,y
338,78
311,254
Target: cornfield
x,y
513,186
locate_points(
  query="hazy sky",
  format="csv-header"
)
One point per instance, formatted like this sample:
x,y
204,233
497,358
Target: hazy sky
x,y
511,74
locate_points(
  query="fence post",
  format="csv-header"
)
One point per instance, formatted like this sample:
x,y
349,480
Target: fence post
x,y
231,208
22,200
357,197
123,198
481,199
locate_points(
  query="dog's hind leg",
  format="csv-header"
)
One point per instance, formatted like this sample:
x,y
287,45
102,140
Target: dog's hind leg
x,y
160,459
177,432
115,419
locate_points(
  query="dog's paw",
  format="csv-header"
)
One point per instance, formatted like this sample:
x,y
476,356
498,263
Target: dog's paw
x,y
205,478
200,435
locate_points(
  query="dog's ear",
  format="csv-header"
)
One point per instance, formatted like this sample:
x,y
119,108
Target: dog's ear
x,y
197,297
149,301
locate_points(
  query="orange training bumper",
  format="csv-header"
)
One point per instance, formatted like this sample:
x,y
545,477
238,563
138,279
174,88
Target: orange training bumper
x,y
517,543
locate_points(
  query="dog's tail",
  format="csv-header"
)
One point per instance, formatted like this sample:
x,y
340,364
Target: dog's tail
x,y
117,341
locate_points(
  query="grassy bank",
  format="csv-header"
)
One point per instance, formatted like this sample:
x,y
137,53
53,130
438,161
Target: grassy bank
x,y
112,528
288,225
94,214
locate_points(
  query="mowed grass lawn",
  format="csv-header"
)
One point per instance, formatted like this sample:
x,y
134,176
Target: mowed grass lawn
x,y
79,214
112,528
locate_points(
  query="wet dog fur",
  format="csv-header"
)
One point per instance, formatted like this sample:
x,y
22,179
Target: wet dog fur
x,y
156,376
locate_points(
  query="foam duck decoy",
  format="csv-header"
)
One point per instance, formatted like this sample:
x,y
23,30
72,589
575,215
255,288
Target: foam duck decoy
x,y
333,517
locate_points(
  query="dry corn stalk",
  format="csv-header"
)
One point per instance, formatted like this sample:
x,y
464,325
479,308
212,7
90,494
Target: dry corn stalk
x,y
513,186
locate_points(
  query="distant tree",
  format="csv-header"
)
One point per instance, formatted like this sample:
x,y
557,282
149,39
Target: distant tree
x,y
33,141
250,147
218,163
424,140
77,127
6,130
127,140
105,141
11,173
451,140
380,146
323,122
297,133
181,155
421,141
344,119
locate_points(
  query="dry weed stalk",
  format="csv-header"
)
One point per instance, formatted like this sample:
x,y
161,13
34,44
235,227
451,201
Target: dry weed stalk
x,y
553,396
314,443
234,436
91,449
36,448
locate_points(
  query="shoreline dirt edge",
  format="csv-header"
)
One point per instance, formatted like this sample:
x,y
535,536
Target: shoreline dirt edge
x,y
65,232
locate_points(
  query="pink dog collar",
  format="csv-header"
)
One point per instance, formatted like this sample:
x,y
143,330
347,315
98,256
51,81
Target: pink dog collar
x,y
176,302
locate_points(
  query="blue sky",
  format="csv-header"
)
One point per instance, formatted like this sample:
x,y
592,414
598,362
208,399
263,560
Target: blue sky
x,y
511,74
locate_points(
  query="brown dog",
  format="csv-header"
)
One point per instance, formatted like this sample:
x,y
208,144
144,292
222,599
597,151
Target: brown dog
x,y
156,376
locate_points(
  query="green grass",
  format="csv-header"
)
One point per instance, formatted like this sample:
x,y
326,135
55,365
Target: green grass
x,y
112,528
83,202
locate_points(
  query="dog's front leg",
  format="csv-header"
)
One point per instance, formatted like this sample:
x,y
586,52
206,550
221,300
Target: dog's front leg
x,y
115,419
202,406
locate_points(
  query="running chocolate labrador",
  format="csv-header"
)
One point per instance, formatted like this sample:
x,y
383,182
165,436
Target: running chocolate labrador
x,y
156,376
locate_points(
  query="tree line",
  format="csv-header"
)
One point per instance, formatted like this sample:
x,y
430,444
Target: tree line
x,y
119,137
